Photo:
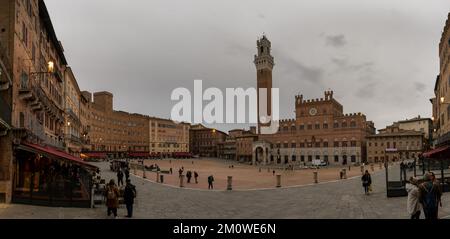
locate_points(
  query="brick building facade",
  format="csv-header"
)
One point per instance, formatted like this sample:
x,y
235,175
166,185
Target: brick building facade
x,y
441,100
205,141
116,131
167,137
320,130
394,144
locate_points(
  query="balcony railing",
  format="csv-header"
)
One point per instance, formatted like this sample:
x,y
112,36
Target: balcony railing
x,y
73,139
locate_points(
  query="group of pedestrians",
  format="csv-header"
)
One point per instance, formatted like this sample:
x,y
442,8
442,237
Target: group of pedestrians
x,y
190,174
113,194
424,195
121,172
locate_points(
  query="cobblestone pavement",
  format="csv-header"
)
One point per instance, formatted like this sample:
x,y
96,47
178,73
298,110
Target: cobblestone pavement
x,y
335,200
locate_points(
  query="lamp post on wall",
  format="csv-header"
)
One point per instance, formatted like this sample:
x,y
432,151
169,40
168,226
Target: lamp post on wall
x,y
50,69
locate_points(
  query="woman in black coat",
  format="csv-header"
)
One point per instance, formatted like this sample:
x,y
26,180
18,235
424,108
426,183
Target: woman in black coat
x,y
366,181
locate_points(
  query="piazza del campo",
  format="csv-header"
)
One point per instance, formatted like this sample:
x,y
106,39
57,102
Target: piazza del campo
x,y
61,145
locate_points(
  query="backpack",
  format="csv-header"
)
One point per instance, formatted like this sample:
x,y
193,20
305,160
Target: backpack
x,y
111,194
430,200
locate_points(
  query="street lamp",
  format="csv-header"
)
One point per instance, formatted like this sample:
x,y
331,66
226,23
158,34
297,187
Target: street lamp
x,y
50,69
442,100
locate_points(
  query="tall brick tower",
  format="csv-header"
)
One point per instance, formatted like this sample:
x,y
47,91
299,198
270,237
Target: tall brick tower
x,y
264,63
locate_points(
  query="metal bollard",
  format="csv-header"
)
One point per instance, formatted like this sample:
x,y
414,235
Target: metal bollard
x,y
181,181
143,170
316,177
161,178
157,177
230,183
278,181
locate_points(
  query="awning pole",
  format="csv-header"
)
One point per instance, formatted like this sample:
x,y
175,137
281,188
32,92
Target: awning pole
x,y
415,167
442,172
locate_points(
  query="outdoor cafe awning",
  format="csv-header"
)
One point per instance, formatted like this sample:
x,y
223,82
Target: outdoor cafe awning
x,y
436,152
94,155
54,153
139,154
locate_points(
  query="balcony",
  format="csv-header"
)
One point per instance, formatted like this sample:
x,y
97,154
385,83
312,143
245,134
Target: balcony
x,y
73,116
26,91
48,105
33,132
73,139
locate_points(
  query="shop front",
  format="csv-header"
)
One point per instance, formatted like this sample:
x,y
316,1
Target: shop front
x,y
49,177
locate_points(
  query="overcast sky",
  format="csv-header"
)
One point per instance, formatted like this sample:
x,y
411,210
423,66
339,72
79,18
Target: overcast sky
x,y
380,57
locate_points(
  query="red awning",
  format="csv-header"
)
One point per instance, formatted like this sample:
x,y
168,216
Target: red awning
x,y
52,152
96,155
139,154
436,151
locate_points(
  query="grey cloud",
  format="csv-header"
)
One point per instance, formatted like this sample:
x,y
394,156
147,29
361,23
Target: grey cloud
x,y
343,65
236,49
420,87
336,40
366,91
298,69
340,62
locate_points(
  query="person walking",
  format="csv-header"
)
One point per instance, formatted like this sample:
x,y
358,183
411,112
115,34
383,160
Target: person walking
x,y
430,196
112,198
129,195
127,174
196,177
210,182
119,177
189,176
414,207
367,182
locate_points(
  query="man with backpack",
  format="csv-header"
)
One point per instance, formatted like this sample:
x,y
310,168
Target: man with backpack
x,y
210,182
430,196
129,195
